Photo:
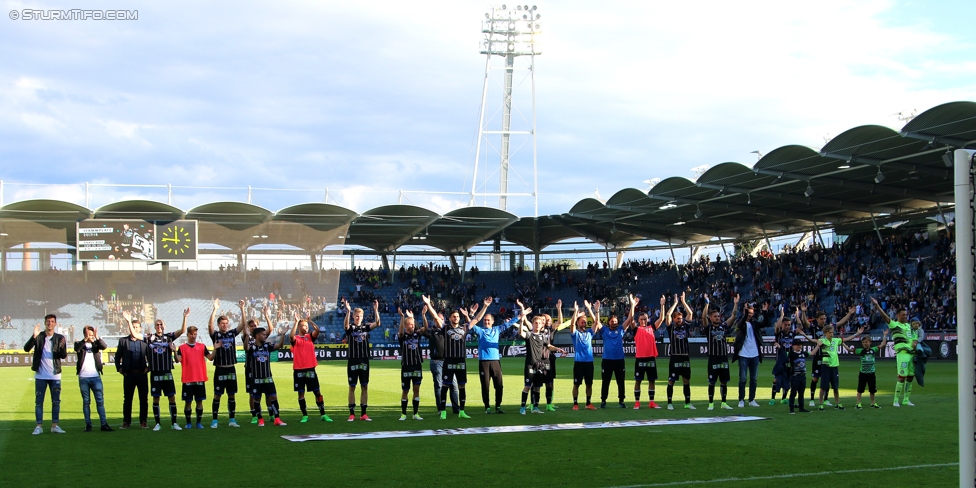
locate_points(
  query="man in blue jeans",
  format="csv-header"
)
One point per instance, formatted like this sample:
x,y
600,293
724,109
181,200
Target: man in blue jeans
x,y
49,349
89,369
748,340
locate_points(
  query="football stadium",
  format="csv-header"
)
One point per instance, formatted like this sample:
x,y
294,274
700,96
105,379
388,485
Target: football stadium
x,y
794,321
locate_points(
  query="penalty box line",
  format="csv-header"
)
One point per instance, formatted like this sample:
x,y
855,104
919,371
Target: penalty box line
x,y
502,429
788,476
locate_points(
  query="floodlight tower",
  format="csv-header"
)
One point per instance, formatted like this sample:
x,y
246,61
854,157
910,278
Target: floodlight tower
x,y
509,31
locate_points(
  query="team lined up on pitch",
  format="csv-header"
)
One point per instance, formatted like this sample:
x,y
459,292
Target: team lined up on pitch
x,y
147,361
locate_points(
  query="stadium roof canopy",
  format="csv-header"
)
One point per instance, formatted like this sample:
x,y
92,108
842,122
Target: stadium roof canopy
x,y
864,177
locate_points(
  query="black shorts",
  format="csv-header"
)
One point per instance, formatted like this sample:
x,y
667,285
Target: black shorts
x,y
718,370
830,376
225,380
817,368
534,377
264,386
306,379
161,384
645,367
679,366
358,372
194,391
410,375
455,369
551,374
583,373
867,381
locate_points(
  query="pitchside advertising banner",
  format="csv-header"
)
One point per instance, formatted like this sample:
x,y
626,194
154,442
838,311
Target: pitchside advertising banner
x,y
943,347
139,240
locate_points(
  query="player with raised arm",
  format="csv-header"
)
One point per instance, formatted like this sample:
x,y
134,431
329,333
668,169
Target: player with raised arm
x,y
225,360
679,350
645,362
302,336
816,334
161,349
262,381
489,357
783,344
538,346
436,339
830,372
867,379
455,367
905,341
552,328
193,355
583,356
718,351
612,363
357,367
411,362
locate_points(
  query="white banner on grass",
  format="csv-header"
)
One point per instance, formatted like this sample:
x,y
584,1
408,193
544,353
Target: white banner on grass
x,y
502,429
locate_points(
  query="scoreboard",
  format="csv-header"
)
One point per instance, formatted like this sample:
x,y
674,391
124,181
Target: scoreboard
x,y
136,240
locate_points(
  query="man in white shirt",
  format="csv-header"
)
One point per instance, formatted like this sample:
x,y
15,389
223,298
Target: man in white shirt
x,y
748,339
49,349
89,368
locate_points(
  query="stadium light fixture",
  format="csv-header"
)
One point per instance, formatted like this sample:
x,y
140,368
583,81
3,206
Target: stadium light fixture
x,y
511,31
947,159
879,177
809,191
847,164
698,213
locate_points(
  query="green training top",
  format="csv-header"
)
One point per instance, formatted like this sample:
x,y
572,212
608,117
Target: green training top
x,y
867,358
830,348
902,336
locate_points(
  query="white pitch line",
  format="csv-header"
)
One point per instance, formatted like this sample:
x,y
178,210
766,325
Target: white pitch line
x,y
787,476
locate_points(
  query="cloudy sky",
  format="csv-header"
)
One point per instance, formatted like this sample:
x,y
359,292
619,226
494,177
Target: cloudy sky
x,y
365,98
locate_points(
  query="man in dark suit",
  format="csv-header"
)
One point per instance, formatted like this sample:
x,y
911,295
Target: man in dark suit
x,y
131,361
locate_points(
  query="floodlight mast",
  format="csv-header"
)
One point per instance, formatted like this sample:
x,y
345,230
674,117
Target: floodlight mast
x,y
509,31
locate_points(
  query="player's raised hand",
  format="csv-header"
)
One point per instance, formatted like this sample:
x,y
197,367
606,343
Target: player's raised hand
x,y
663,301
216,304
596,304
186,312
488,301
735,299
409,313
127,316
37,329
242,304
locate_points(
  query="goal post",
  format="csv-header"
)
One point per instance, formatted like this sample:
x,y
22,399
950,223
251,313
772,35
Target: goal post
x,y
966,315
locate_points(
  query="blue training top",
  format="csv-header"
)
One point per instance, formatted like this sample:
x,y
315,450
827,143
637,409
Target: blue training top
x,y
488,340
583,346
613,343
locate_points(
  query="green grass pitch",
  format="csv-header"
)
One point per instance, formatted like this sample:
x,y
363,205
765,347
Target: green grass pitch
x,y
858,442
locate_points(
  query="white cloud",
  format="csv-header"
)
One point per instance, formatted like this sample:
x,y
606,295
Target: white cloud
x,y
368,98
